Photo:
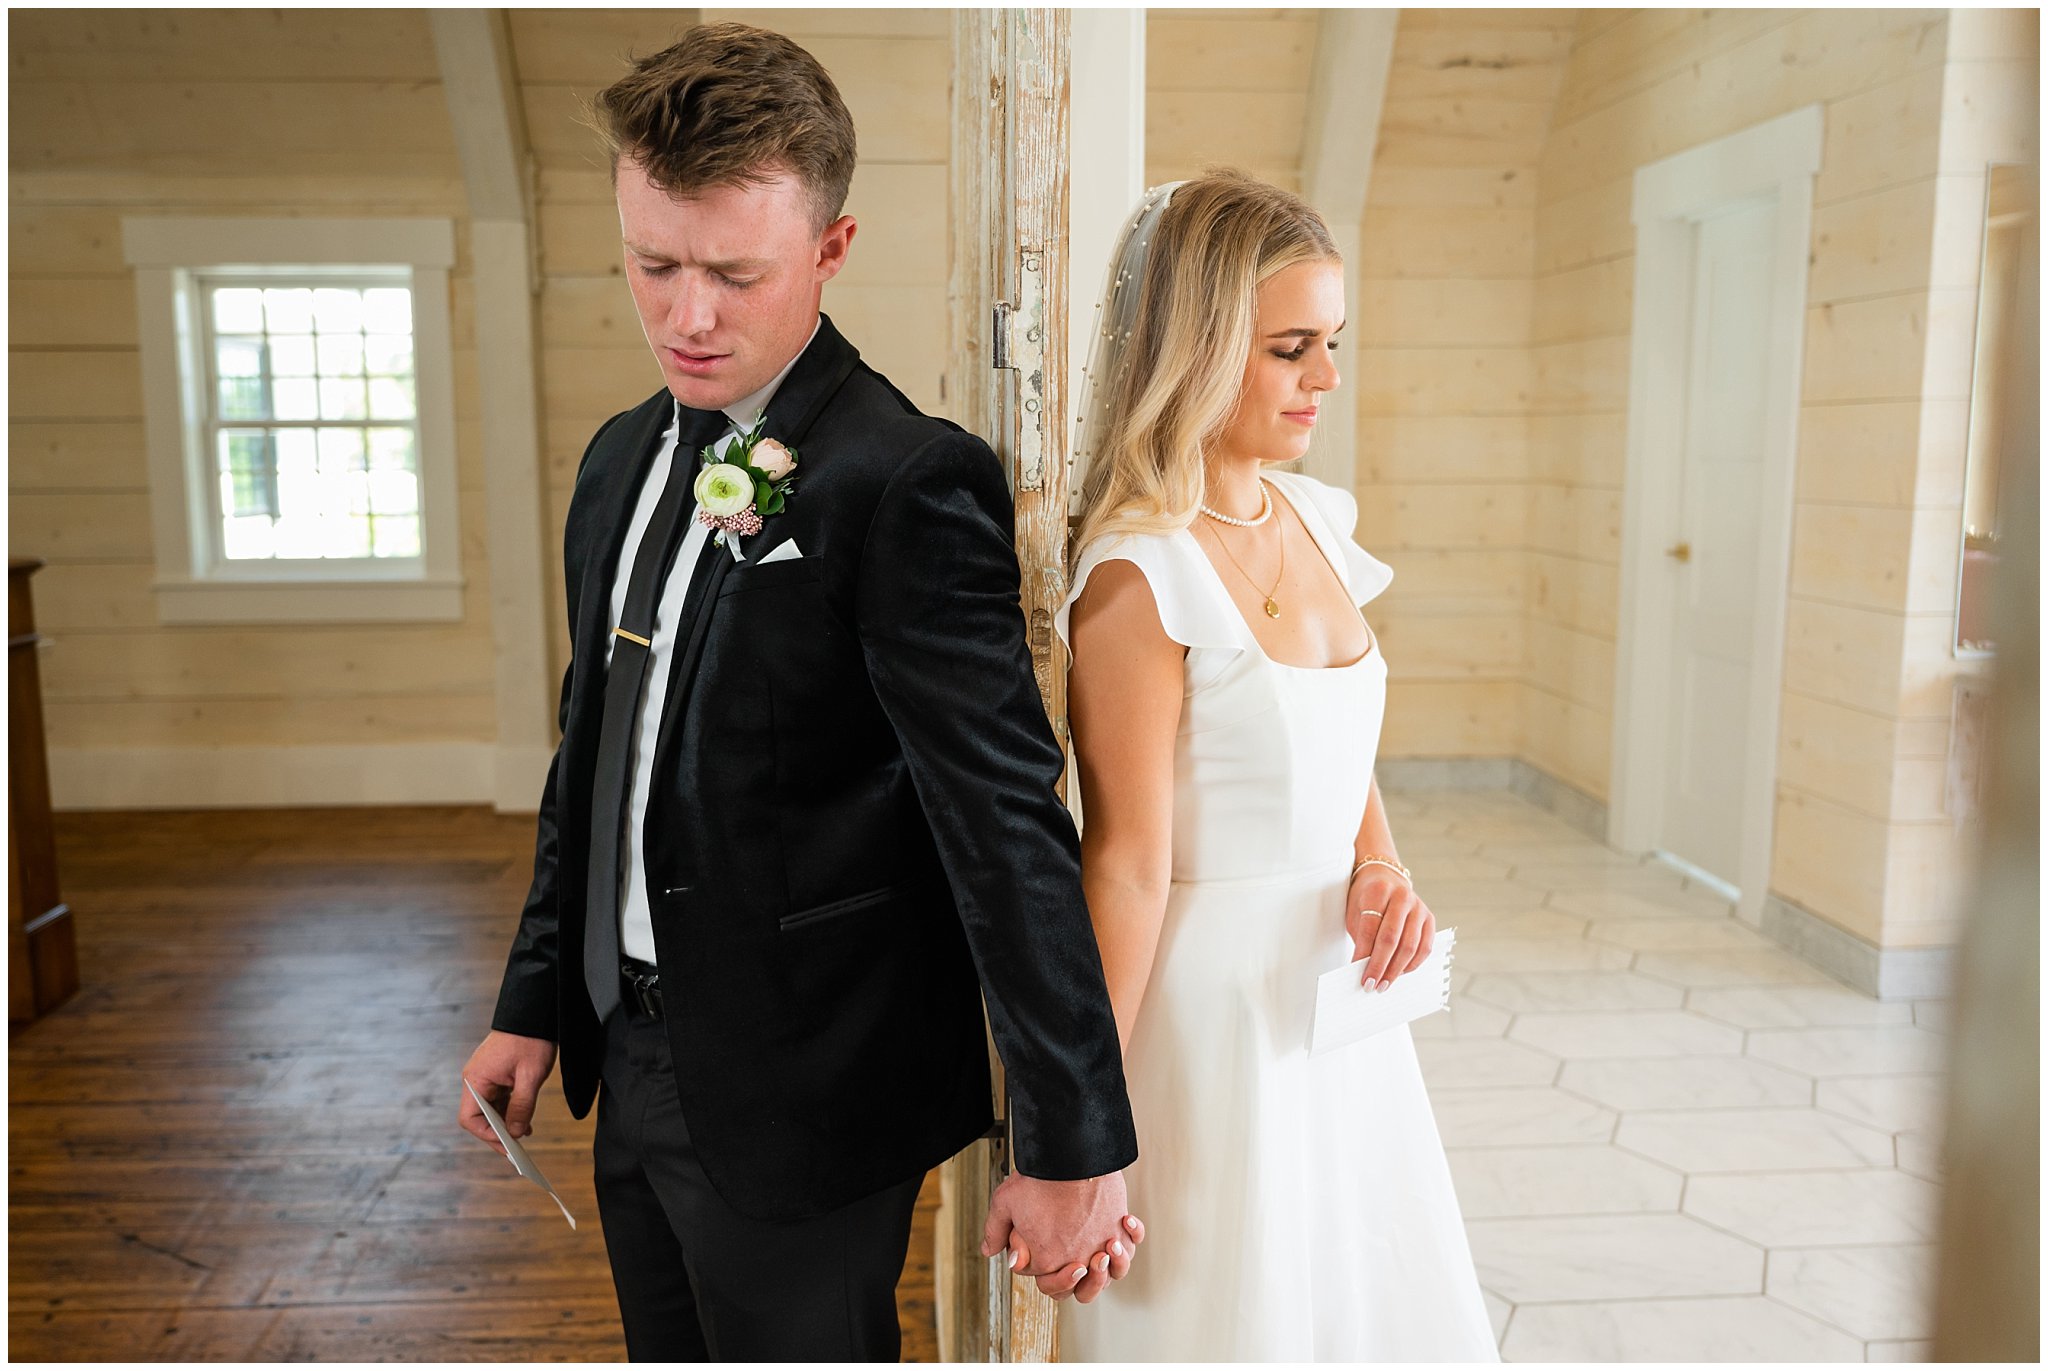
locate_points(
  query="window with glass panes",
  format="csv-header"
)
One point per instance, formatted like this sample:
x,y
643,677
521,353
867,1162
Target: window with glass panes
x,y
312,416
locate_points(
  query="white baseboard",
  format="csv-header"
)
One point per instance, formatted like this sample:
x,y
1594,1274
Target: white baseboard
x,y
1884,973
261,777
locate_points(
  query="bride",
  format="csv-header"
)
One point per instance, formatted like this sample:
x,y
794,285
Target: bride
x,y
1225,701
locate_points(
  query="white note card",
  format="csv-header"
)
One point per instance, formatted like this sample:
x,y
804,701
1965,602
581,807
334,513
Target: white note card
x,y
1346,1011
521,1163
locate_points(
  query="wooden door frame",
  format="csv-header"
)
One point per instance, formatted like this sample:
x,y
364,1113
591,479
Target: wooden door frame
x,y
1775,160
1009,189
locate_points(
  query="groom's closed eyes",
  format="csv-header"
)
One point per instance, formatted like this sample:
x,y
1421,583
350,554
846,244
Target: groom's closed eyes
x,y
741,272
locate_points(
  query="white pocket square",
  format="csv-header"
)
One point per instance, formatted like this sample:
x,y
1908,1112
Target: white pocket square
x,y
783,552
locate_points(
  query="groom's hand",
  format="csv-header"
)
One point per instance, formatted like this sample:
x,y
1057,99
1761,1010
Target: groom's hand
x,y
1073,1236
507,1070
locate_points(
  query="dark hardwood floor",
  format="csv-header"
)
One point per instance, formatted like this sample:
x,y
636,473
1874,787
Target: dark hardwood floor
x,y
238,1141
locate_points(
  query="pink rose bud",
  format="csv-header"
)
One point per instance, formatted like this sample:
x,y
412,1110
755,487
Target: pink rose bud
x,y
772,459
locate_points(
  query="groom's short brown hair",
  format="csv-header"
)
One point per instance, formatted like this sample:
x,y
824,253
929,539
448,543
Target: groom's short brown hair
x,y
730,104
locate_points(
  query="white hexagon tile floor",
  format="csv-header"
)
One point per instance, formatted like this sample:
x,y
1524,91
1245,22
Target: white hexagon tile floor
x,y
1673,1140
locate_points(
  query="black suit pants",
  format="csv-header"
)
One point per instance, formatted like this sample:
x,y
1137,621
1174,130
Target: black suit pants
x,y
698,1281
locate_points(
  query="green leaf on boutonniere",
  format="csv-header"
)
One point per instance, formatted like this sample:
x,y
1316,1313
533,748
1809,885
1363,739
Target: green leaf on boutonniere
x,y
770,503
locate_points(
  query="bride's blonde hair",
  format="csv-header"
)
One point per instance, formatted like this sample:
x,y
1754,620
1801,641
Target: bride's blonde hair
x,y
1177,385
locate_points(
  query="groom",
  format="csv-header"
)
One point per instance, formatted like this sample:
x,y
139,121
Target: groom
x,y
801,826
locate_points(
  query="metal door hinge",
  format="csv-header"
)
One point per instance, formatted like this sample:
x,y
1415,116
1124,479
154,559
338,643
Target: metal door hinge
x,y
1019,346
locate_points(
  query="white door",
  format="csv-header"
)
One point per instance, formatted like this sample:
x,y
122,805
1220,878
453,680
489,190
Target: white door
x,y
1715,552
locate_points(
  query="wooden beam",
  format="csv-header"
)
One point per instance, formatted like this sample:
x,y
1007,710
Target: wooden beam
x,y
475,53
1354,52
475,50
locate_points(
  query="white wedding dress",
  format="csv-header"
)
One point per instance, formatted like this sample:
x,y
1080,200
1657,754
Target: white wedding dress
x,y
1295,1210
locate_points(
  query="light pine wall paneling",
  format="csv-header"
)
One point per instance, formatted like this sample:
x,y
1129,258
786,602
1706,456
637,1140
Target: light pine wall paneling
x,y
1836,752
120,113
1569,740
1881,136
1444,379
1831,861
1579,449
1843,653
1821,55
1447,242
1439,516
1439,312
1431,718
82,385
1469,581
1875,244
1581,303
1248,129
1227,88
1878,431
1644,47
1438,646
1877,349
1849,554
107,455
222,126
1926,866
278,721
1230,53
1424,449
1571,663
1474,62
186,45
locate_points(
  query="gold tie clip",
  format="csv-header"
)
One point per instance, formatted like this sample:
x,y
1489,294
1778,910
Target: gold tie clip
x,y
633,637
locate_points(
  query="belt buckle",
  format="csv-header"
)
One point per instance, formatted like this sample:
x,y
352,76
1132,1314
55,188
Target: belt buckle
x,y
646,991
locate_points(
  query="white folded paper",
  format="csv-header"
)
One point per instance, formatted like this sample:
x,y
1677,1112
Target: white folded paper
x,y
521,1163
1346,1011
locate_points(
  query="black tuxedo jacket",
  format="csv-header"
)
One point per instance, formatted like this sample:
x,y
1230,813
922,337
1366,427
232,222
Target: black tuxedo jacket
x,y
852,837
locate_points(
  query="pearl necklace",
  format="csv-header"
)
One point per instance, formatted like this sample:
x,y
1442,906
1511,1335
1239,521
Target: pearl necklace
x,y
1265,511
1272,606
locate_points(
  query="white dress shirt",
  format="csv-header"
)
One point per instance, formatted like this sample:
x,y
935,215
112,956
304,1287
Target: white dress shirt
x,y
636,927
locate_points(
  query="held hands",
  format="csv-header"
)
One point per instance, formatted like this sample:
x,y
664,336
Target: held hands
x,y
1047,1225
1391,928
508,1071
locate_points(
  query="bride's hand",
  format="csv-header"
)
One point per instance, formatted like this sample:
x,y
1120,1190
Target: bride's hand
x,y
1391,928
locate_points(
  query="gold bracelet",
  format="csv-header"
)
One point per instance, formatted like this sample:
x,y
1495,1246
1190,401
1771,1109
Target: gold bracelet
x,y
1388,862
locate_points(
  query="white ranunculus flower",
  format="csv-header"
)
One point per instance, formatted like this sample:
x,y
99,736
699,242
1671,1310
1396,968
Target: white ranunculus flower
x,y
724,489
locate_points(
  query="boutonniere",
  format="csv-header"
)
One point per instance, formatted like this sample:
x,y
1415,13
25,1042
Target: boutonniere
x,y
744,485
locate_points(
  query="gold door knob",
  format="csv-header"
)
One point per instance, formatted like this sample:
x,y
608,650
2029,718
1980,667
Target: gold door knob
x,y
1682,551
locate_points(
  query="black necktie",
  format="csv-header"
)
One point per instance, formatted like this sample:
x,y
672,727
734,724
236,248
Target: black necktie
x,y
625,682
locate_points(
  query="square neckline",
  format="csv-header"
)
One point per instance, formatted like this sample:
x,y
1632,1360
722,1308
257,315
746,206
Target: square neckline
x,y
1222,588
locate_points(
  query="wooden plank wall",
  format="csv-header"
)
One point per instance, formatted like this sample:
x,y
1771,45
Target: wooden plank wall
x,y
1227,87
1441,368
1861,836
208,112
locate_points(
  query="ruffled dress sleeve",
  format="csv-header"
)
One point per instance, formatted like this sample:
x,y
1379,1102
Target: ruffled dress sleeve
x,y
1365,575
1192,609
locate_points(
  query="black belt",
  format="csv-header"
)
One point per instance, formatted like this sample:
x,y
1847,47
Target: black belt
x,y
640,986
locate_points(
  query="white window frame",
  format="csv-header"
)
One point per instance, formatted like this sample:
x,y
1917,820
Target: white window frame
x,y
194,585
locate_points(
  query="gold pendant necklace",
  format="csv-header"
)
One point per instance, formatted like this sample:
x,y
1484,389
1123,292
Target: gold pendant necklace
x,y
1272,605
